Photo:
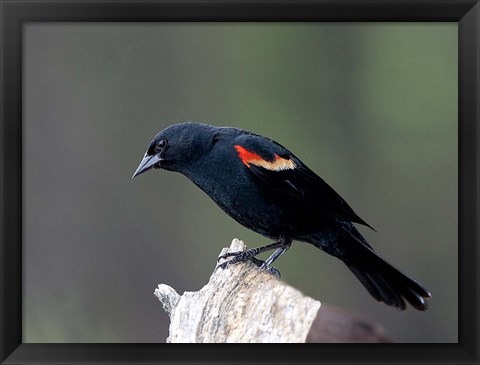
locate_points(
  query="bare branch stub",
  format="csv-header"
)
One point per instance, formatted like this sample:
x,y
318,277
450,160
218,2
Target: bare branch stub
x,y
243,303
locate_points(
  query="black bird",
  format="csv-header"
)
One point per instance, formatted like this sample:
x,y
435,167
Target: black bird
x,y
267,189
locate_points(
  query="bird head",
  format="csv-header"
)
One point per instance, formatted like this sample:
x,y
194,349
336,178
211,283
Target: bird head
x,y
177,147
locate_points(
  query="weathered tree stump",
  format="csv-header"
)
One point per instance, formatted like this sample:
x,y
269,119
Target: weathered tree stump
x,y
243,303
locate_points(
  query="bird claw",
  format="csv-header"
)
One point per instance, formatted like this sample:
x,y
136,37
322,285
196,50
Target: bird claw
x,y
271,270
228,254
238,256
224,265
235,257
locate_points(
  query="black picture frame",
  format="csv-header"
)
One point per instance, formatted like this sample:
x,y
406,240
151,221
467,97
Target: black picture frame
x,y
15,13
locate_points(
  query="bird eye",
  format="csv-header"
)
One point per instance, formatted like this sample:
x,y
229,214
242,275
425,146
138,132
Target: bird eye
x,y
160,146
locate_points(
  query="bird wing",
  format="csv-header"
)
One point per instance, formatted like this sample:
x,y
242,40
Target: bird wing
x,y
282,171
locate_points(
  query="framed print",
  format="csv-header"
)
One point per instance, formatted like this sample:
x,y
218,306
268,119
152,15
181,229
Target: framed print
x,y
379,98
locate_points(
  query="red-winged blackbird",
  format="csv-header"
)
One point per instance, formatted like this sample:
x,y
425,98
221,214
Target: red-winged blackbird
x,y
266,188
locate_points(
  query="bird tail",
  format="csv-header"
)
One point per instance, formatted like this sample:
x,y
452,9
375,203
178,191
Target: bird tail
x,y
385,282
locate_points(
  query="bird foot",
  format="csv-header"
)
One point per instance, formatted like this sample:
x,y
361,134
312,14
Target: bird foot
x,y
247,256
235,257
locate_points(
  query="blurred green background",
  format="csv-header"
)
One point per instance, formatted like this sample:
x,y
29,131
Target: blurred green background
x,y
371,107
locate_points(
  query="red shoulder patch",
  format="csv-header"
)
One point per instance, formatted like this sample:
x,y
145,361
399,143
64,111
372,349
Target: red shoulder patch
x,y
277,164
246,156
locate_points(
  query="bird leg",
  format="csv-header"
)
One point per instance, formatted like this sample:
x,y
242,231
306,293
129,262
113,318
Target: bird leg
x,y
278,252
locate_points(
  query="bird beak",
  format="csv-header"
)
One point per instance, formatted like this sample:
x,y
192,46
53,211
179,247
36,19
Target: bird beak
x,y
147,163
